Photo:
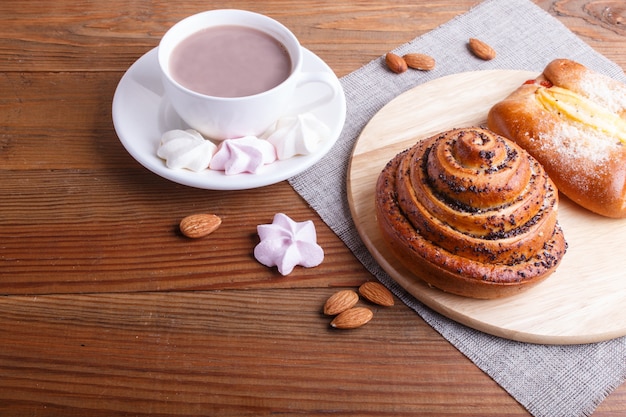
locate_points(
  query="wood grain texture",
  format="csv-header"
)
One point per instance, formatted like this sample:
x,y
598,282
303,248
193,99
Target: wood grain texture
x,y
233,353
132,243
78,214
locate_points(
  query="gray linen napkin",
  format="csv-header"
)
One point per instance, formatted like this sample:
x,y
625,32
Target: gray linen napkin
x,y
547,380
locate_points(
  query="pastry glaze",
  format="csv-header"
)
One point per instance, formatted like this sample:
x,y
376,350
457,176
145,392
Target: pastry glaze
x,y
470,213
572,120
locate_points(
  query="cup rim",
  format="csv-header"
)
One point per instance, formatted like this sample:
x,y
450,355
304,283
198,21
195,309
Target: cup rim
x,y
285,31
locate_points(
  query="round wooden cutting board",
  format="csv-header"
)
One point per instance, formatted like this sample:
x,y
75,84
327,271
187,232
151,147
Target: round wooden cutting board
x,y
584,301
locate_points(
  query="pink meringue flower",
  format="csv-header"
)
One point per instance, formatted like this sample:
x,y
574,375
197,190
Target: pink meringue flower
x,y
286,243
246,154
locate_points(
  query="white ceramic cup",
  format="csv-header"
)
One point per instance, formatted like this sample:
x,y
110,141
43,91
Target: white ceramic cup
x,y
232,117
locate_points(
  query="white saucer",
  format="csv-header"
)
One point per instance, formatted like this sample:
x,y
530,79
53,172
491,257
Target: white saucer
x,y
141,115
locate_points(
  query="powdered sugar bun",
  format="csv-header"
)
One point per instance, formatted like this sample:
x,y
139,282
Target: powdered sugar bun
x,y
573,120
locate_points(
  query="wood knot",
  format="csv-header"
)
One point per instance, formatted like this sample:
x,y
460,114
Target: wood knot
x,y
610,14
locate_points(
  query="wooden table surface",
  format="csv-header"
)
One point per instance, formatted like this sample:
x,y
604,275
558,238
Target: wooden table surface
x,y
108,311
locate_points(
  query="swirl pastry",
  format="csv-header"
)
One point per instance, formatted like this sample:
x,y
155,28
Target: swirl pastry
x,y
470,213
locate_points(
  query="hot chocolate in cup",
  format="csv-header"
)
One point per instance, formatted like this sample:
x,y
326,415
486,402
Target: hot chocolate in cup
x,y
233,73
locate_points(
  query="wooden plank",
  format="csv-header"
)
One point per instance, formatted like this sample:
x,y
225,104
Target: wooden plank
x,y
112,230
84,36
229,353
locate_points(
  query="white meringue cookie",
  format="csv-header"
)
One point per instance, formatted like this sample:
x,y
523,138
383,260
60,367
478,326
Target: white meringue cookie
x,y
186,149
297,135
286,243
246,154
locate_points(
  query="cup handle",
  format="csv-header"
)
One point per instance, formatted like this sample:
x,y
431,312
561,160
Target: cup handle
x,y
332,90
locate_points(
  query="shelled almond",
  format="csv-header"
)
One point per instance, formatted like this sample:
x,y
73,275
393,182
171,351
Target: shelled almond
x,y
340,302
481,49
376,293
395,63
420,62
199,225
352,318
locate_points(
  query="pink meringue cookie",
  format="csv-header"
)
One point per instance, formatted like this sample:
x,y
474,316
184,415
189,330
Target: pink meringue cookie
x,y
286,243
246,154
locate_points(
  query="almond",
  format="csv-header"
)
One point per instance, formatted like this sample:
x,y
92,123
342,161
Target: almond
x,y
481,49
352,318
419,61
395,63
340,301
377,293
199,225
